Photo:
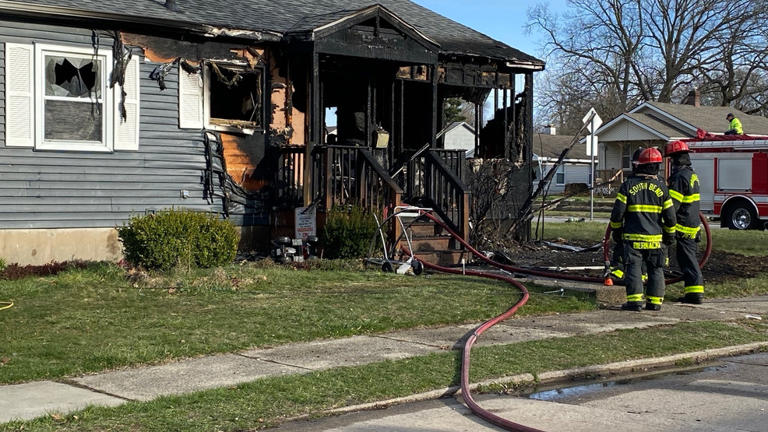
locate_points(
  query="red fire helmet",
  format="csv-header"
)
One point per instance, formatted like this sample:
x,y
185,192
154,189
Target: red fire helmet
x,y
676,147
649,155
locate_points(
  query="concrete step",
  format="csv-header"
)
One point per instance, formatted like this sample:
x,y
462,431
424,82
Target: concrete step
x,y
443,257
433,243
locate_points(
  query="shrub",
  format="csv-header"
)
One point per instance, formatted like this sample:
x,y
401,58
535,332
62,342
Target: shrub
x,y
172,238
347,233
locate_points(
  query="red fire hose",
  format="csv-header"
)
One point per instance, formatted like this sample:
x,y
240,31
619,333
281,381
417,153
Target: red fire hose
x,y
465,357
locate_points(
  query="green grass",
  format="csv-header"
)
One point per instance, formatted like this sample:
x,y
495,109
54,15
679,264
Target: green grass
x,y
749,243
731,288
95,319
267,402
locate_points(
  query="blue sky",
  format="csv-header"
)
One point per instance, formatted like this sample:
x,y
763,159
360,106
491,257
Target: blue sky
x,y
503,20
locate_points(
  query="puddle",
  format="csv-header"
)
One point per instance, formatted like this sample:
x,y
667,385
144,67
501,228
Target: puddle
x,y
556,394
585,389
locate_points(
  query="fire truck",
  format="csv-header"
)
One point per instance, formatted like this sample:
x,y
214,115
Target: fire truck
x,y
733,175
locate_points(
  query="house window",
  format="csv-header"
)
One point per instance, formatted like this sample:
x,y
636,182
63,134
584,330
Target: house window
x,y
73,105
560,175
235,96
626,155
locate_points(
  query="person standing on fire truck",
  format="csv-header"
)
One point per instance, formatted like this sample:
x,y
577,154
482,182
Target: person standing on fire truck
x,y
684,190
643,217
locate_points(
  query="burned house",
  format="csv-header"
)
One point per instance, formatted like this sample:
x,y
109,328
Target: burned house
x,y
111,109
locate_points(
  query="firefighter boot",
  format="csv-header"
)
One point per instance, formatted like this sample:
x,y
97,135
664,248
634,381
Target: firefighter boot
x,y
692,298
635,306
652,306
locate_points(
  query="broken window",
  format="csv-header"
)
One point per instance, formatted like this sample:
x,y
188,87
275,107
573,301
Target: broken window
x,y
73,104
235,96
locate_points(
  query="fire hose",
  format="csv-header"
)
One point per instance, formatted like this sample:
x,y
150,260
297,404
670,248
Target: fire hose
x,y
465,357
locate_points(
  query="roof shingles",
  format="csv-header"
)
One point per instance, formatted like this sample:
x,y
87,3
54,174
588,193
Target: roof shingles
x,y
285,15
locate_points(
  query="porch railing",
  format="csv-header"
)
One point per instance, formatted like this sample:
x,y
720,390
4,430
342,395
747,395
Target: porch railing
x,y
353,175
289,190
447,192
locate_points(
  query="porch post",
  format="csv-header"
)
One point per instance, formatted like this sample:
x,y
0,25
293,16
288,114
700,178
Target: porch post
x,y
527,151
435,119
315,117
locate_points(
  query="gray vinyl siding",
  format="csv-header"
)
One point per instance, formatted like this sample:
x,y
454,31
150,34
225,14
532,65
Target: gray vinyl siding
x,y
57,189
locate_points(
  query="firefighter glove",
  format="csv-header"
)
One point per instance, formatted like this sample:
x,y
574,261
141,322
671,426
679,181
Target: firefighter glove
x,y
616,234
697,239
668,239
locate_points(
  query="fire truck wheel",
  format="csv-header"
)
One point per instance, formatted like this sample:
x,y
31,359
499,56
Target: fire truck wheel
x,y
741,216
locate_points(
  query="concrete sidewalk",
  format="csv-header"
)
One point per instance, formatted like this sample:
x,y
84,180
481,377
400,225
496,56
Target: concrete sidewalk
x,y
30,400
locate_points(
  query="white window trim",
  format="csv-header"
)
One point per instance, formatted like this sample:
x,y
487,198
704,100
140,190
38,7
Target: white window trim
x,y
207,101
107,95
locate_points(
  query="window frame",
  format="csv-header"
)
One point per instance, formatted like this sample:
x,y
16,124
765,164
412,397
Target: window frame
x,y
206,75
560,171
107,99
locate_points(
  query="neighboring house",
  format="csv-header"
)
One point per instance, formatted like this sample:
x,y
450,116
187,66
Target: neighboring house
x,y
459,136
655,124
111,109
574,169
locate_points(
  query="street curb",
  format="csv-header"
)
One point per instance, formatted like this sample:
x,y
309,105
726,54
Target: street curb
x,y
610,369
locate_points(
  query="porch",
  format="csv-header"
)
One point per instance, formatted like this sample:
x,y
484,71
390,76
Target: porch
x,y
387,84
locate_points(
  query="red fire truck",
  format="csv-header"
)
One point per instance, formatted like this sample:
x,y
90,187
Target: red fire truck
x,y
733,173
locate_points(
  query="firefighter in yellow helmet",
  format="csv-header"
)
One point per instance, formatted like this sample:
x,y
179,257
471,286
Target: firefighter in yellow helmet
x,y
643,217
734,125
684,190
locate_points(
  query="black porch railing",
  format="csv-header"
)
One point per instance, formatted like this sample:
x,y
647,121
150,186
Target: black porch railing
x,y
344,175
435,178
289,181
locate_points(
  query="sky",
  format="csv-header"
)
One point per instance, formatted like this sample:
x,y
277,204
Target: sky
x,y
503,20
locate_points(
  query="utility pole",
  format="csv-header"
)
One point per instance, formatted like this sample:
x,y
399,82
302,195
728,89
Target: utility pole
x,y
594,122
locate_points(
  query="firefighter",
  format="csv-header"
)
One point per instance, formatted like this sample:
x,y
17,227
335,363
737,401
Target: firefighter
x,y
684,190
616,268
734,125
644,218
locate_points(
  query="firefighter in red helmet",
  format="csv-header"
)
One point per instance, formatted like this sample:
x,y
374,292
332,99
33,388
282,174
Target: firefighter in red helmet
x,y
643,217
615,270
684,190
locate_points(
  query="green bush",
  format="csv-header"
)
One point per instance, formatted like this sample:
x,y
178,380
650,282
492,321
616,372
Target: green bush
x,y
172,238
347,233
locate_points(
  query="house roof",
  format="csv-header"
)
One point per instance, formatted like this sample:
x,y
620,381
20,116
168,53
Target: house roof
x,y
550,146
708,118
676,121
287,16
454,125
659,124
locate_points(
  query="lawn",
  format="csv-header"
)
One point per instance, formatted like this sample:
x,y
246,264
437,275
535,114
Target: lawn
x,y
101,317
266,402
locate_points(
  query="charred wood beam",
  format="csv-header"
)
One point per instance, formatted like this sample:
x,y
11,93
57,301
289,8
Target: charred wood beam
x,y
435,105
315,116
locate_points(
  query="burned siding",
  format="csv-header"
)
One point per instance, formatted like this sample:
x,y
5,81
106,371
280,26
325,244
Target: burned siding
x,y
59,189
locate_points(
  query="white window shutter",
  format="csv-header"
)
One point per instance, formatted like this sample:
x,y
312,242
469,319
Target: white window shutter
x,y
19,95
190,100
127,130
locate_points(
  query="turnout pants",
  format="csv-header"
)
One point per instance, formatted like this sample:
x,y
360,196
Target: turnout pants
x,y
634,258
689,265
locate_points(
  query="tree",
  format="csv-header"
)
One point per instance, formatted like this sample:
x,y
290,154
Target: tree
x,y
617,53
453,111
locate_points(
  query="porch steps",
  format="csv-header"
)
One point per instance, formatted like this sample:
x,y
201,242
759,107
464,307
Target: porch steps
x,y
434,246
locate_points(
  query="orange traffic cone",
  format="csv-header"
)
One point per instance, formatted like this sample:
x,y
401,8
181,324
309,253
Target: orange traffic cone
x,y
608,281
